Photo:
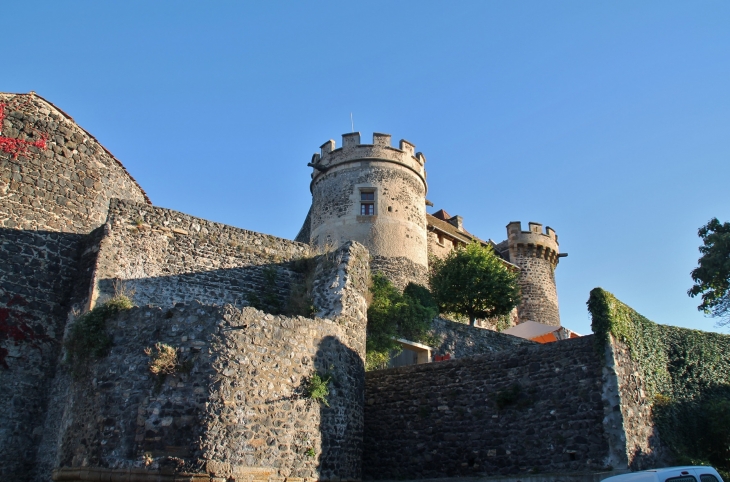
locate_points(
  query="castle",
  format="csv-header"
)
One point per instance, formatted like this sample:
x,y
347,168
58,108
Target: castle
x,y
77,229
376,194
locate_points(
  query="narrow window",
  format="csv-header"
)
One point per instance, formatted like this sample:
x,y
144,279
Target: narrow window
x,y
367,203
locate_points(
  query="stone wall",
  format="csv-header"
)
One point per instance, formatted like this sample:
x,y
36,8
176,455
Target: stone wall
x,y
630,420
238,409
461,340
164,257
37,273
50,199
65,187
400,271
532,408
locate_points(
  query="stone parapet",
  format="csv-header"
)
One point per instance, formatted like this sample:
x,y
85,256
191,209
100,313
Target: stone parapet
x,y
380,150
533,243
163,256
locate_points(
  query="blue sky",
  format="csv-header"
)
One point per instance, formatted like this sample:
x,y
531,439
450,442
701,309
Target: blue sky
x,y
608,121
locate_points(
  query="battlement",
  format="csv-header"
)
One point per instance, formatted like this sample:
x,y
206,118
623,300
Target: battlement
x,y
533,242
380,150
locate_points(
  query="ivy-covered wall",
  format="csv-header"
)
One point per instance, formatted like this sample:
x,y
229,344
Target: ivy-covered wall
x,y
685,379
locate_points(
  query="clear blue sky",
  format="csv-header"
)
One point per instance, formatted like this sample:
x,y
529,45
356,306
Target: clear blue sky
x,y
608,121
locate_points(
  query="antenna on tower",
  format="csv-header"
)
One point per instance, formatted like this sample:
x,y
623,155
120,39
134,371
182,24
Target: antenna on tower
x,y
352,124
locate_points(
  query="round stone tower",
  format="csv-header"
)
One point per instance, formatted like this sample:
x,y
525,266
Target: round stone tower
x,y
537,255
374,194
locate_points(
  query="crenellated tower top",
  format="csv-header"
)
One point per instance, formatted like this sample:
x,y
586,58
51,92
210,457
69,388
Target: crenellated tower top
x,y
533,242
380,150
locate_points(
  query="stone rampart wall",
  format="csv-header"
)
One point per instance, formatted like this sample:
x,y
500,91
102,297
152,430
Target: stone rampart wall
x,y
241,408
164,257
50,199
532,408
37,272
238,408
633,431
65,187
461,340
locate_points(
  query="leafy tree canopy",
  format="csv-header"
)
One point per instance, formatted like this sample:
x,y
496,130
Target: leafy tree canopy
x,y
712,276
393,315
473,281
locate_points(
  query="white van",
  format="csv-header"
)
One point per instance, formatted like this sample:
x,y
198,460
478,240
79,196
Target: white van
x,y
694,473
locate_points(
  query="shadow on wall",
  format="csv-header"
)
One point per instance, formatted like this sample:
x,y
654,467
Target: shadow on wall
x,y
234,404
43,275
696,428
341,424
274,287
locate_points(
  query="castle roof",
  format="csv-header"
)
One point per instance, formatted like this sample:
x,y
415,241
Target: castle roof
x,y
436,222
442,215
439,224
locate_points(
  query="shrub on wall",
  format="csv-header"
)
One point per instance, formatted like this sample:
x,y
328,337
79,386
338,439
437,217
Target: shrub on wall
x,y
87,339
687,374
394,315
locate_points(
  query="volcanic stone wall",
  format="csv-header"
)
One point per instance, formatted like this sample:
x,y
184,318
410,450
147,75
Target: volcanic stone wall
x,y
50,199
65,187
237,406
461,340
240,410
634,437
532,408
162,257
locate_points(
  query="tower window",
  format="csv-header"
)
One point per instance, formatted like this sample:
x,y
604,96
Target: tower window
x,y
367,203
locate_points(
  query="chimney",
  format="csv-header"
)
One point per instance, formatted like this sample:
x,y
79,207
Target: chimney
x,y
458,222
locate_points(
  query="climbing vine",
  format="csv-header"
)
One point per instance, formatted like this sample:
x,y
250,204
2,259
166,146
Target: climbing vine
x,y
17,147
687,374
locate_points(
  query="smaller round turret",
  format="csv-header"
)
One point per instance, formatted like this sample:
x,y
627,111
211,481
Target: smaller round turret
x,y
537,255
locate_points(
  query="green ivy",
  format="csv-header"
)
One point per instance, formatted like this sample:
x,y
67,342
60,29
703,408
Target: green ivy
x,y
393,315
687,374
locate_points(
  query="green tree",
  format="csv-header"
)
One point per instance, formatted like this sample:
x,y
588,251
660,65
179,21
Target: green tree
x,y
712,276
474,282
393,315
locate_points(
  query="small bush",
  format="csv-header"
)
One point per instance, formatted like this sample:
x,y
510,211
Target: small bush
x,y
317,388
376,360
310,452
88,339
165,361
